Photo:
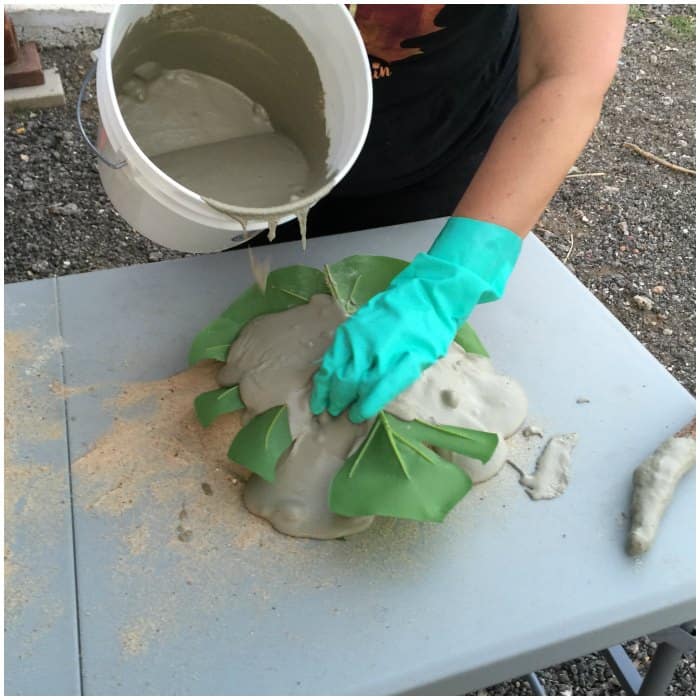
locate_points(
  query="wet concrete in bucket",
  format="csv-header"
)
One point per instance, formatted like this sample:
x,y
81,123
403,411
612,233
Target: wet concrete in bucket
x,y
226,100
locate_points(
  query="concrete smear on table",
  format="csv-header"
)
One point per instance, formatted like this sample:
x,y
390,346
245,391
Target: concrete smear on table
x,y
34,492
532,431
552,472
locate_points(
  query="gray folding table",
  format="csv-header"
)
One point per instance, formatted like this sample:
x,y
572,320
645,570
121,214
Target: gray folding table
x,y
108,601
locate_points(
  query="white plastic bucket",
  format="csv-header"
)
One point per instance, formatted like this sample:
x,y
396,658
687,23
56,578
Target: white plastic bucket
x,y
168,213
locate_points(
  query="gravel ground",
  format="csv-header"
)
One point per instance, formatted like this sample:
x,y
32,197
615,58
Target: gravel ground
x,y
633,229
625,234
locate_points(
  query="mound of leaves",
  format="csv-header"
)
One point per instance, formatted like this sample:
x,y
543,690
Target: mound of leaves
x,y
393,472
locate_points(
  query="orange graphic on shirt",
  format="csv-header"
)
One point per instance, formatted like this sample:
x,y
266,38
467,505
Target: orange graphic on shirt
x,y
384,28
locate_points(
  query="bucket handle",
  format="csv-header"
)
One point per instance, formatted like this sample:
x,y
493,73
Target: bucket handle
x,y
81,98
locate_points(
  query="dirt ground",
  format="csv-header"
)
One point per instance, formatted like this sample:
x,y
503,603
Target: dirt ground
x,y
624,225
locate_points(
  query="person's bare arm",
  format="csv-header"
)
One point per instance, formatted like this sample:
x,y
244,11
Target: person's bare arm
x,y
568,59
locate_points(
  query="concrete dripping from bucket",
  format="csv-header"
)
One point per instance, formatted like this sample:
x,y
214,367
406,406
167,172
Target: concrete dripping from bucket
x,y
262,159
301,216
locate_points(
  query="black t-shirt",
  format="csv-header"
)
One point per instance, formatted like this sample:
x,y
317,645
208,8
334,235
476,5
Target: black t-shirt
x,y
443,78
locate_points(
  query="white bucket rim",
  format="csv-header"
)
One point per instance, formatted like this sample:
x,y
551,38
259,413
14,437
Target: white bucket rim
x,y
263,214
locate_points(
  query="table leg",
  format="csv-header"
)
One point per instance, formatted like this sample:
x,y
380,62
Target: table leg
x,y
661,671
535,684
673,643
624,670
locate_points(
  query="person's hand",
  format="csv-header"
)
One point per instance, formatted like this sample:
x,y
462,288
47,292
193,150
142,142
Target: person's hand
x,y
384,347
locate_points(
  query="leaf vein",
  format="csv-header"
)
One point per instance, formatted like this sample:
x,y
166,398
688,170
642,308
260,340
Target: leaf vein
x,y
390,435
363,448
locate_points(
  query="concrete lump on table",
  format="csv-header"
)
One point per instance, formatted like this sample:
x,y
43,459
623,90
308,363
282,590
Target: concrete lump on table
x,y
273,361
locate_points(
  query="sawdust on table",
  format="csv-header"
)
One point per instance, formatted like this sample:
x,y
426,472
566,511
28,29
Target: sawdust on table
x,y
65,392
25,411
187,546
178,501
154,445
35,493
189,551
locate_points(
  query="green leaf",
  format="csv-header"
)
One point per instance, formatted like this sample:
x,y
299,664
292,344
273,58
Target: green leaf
x,y
394,475
472,443
214,341
259,444
355,280
212,404
286,288
469,340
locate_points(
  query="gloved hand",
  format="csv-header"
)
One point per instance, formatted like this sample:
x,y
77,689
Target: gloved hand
x,y
383,348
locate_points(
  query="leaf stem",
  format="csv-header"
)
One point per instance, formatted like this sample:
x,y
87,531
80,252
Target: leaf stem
x,y
272,425
331,283
224,394
417,447
352,291
293,294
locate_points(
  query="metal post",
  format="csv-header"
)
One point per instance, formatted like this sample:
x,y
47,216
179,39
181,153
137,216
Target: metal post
x,y
625,671
661,670
673,642
535,684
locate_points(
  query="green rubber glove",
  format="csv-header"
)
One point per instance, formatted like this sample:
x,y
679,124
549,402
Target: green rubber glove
x,y
383,348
